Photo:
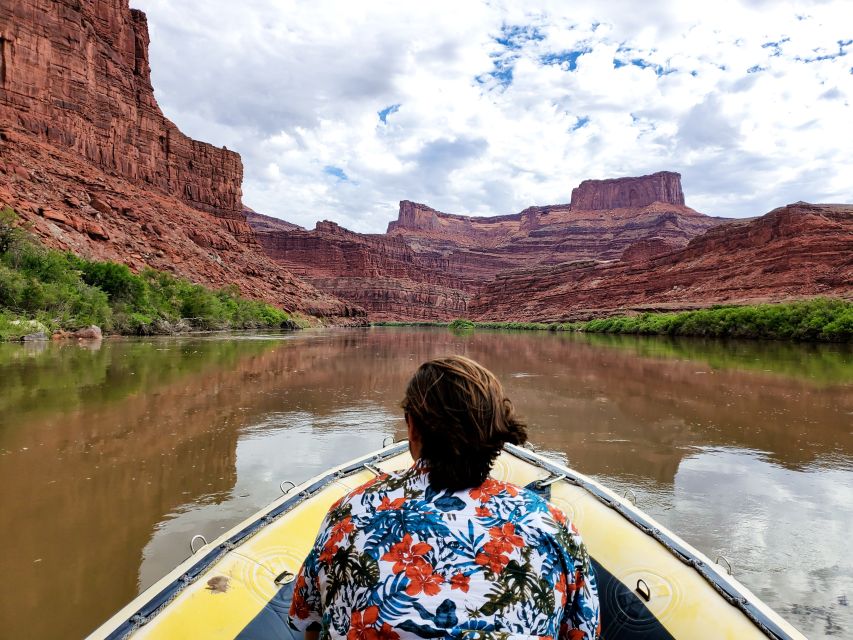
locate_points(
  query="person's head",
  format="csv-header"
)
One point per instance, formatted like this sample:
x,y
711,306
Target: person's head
x,y
459,419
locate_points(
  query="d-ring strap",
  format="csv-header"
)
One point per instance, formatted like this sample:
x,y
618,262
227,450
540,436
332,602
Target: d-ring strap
x,y
198,536
643,590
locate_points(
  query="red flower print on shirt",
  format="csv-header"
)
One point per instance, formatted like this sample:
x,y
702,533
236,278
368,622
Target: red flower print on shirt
x,y
361,624
404,554
558,515
328,552
460,581
561,587
298,606
386,632
390,505
422,578
486,491
506,534
342,528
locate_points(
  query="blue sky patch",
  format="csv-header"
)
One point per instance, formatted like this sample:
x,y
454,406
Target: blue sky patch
x,y
514,36
828,56
504,67
569,58
387,111
776,46
645,64
337,172
582,122
755,69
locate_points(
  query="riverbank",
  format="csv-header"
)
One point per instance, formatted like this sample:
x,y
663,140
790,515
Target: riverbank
x,y
815,320
45,292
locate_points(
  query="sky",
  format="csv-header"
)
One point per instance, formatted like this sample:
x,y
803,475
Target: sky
x,y
341,109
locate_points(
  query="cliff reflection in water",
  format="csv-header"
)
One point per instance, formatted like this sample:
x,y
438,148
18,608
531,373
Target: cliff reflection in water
x,y
110,460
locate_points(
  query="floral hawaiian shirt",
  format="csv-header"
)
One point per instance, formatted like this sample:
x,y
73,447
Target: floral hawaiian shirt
x,y
396,559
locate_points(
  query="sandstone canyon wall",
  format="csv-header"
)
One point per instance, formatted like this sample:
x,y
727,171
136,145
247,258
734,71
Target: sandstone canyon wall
x,y
429,264
379,273
76,74
92,165
663,186
622,245
794,252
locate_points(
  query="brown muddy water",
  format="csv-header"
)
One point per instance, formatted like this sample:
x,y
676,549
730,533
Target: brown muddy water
x,y
112,458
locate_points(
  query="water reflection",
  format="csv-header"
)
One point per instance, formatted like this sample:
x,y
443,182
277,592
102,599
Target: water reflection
x,y
110,460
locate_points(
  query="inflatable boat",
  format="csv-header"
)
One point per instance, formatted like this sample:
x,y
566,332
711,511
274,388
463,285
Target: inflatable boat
x,y
652,584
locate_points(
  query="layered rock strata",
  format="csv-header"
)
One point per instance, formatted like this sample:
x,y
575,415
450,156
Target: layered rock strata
x,y
92,165
76,75
429,264
379,273
798,251
616,193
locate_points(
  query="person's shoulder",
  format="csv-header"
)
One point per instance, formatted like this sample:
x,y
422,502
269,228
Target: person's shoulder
x,y
551,516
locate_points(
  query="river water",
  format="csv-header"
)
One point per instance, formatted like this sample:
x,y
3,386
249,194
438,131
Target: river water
x,y
113,457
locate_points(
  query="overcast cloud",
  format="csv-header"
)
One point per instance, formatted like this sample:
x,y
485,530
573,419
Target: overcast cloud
x,y
341,109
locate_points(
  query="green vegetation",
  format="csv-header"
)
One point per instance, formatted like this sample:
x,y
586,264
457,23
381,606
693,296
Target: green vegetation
x,y
810,320
42,288
460,324
819,319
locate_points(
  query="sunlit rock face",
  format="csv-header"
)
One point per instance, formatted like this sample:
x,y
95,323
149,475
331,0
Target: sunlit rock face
x,y
90,162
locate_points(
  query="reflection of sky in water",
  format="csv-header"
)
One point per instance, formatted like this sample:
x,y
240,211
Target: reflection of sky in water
x,y
771,522
292,446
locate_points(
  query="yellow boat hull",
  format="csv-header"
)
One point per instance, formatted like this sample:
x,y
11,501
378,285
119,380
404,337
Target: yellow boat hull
x,y
652,584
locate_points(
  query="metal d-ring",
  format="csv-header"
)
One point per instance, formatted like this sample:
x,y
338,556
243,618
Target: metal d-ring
x,y
385,439
285,577
284,482
197,536
631,491
547,482
643,590
726,560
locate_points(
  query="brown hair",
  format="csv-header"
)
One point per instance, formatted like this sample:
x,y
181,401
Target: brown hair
x,y
463,418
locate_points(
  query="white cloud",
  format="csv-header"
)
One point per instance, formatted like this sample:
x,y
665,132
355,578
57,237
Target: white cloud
x,y
503,104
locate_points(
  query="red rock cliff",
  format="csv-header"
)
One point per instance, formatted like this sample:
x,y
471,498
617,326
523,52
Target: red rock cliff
x,y
90,163
794,252
430,264
379,273
663,186
75,73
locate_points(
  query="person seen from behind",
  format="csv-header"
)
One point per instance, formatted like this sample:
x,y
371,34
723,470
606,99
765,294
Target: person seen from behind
x,y
441,549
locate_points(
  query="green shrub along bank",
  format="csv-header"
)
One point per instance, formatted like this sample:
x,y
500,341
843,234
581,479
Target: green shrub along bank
x,y
816,320
820,319
44,289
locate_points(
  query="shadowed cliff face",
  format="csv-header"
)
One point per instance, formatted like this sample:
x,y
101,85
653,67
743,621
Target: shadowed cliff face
x,y
89,161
